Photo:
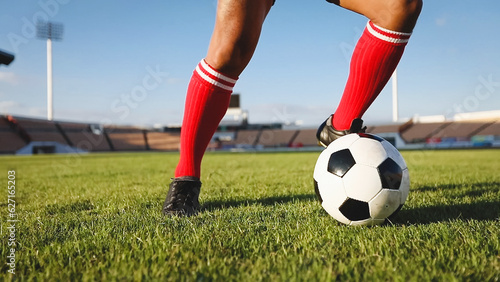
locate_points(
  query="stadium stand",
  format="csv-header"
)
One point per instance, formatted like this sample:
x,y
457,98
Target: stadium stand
x,y
163,141
10,140
306,138
20,135
272,138
491,129
126,138
244,138
420,132
41,130
383,129
19,132
83,137
460,130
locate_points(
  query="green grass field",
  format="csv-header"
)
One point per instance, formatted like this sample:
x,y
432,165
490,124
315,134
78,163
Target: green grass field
x,y
97,217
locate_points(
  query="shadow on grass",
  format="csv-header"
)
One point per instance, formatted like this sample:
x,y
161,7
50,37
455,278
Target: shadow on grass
x,y
480,210
485,210
269,201
472,188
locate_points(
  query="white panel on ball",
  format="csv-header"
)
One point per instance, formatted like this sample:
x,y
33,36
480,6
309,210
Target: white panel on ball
x,y
362,182
333,211
394,154
331,190
368,151
343,142
405,186
385,203
321,166
330,187
366,222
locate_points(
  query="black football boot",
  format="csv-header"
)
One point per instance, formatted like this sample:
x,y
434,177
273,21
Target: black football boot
x,y
326,133
182,197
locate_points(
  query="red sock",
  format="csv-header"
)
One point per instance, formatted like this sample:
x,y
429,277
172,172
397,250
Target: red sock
x,y
373,61
207,101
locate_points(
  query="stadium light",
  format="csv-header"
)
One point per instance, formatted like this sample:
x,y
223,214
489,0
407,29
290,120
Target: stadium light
x,y
395,111
50,31
6,58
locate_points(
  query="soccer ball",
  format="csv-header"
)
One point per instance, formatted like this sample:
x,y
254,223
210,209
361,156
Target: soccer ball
x,y
361,179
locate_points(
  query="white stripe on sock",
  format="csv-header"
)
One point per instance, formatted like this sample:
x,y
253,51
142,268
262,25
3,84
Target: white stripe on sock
x,y
388,38
213,72
212,81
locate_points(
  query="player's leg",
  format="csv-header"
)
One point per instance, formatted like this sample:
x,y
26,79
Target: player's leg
x,y
237,29
396,15
374,59
236,33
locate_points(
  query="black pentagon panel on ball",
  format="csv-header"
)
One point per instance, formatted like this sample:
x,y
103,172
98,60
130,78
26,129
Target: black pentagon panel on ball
x,y
391,174
316,189
371,136
340,162
355,210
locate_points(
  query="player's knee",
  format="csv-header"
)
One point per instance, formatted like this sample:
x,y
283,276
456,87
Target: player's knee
x,y
400,14
230,59
406,9
412,8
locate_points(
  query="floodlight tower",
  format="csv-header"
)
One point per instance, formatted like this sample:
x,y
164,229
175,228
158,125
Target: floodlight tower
x,y
50,31
395,111
6,58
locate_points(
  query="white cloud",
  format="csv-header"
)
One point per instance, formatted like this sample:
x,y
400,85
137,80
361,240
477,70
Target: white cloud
x,y
6,106
442,21
9,77
35,112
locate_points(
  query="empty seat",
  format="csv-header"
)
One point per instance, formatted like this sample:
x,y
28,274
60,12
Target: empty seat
x,y
276,137
492,129
459,130
307,137
41,130
126,138
421,131
392,128
10,142
164,141
81,136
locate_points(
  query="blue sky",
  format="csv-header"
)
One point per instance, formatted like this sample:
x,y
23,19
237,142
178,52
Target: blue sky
x,y
129,62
